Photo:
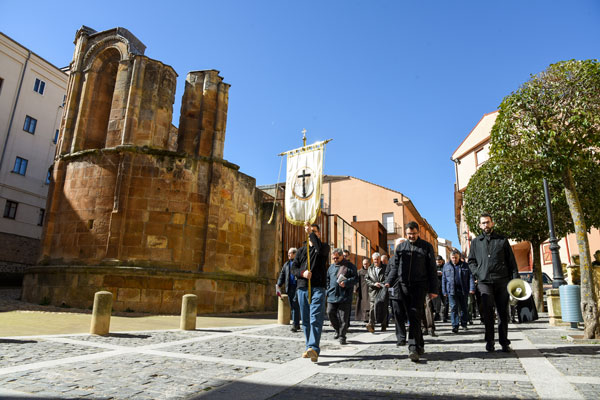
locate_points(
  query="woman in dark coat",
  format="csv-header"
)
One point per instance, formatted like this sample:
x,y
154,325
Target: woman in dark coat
x,y
362,289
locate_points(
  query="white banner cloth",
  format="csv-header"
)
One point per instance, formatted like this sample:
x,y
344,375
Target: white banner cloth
x,y
303,184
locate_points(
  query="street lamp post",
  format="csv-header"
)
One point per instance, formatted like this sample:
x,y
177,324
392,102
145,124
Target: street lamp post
x,y
559,278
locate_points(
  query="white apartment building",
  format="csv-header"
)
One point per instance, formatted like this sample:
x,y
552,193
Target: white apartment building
x,y
32,92
468,157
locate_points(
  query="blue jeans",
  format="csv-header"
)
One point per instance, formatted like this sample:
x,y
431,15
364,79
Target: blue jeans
x,y
458,300
293,299
312,315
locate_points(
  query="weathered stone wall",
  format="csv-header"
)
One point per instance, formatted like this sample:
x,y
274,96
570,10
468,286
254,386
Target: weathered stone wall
x,y
19,249
146,290
18,252
128,214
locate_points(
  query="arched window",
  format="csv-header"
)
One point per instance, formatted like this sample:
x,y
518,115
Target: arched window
x,y
100,87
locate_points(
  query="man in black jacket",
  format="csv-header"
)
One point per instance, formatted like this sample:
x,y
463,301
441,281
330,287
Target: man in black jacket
x,y
312,314
413,276
398,309
493,264
287,281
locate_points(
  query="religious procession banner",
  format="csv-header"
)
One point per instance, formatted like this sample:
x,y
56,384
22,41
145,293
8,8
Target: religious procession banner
x,y
303,183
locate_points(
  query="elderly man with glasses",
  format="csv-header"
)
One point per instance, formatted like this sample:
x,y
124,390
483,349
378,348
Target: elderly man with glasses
x,y
341,278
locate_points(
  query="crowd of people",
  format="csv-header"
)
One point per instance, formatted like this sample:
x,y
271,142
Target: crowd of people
x,y
419,287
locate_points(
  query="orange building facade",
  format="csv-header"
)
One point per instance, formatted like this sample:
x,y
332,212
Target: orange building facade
x,y
358,200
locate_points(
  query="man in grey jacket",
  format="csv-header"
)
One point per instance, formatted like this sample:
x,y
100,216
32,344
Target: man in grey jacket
x,y
287,282
341,278
493,264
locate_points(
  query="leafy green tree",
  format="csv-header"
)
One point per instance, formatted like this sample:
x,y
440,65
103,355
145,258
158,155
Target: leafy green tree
x,y
515,198
551,124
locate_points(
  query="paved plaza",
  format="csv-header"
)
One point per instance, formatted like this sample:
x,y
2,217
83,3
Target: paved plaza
x,y
263,362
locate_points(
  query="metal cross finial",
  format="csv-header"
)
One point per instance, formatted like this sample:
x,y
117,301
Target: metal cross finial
x,y
304,137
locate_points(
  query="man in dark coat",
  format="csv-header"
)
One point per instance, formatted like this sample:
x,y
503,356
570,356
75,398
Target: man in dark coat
x,y
457,283
363,305
414,275
398,309
375,281
341,278
287,281
493,264
312,314
441,300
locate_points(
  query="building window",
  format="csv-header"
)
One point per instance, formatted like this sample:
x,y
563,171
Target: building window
x,y
1,82
55,137
48,175
482,155
20,166
354,219
388,222
30,124
547,254
39,86
10,209
362,242
391,247
41,217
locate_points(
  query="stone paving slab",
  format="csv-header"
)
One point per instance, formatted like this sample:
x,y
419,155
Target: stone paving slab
x,y
358,387
589,391
136,376
25,351
436,358
247,348
148,338
575,360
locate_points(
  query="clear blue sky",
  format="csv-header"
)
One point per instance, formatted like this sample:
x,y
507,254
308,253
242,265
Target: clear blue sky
x,y
396,84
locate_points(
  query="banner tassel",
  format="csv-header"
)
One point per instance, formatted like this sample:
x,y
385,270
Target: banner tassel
x,y
276,192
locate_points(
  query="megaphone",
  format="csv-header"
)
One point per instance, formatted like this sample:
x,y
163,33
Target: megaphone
x,y
518,290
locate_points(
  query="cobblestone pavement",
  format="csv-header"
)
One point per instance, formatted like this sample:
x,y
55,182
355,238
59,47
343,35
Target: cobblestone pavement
x,y
262,362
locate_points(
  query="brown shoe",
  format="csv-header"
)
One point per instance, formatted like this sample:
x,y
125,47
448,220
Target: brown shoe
x,y
370,328
305,354
312,354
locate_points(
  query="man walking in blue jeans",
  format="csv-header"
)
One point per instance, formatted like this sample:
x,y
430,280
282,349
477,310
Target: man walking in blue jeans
x,y
312,314
457,283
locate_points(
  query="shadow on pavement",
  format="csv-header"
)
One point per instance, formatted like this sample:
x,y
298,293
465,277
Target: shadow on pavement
x,y
240,390
16,341
127,336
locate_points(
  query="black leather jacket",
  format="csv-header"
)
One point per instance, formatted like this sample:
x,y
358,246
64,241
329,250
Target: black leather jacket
x,y
319,262
414,263
492,261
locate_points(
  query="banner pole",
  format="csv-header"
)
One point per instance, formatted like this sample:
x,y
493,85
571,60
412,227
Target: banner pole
x,y
308,264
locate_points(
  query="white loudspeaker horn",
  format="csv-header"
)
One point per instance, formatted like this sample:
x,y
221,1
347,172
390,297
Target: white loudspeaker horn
x,y
518,290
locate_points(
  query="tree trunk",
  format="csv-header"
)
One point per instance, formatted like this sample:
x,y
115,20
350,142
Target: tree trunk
x,y
537,284
589,307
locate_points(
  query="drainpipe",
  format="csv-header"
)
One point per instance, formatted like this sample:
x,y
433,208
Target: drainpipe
x,y
12,114
456,190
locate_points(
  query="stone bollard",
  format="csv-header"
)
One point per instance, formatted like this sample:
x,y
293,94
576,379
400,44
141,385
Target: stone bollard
x,y
189,309
554,309
283,310
101,313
